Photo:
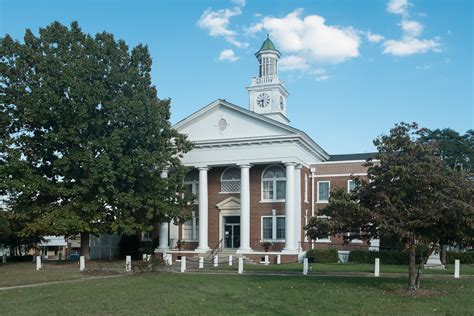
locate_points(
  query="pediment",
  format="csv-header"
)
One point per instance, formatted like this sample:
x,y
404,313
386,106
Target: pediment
x,y
221,120
231,203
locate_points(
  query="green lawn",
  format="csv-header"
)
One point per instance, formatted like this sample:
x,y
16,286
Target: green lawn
x,y
191,294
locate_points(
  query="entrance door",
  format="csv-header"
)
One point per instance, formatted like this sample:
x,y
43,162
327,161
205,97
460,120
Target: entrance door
x,y
231,232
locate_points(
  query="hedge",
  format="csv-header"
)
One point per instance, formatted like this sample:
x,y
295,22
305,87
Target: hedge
x,y
322,256
20,259
464,257
386,256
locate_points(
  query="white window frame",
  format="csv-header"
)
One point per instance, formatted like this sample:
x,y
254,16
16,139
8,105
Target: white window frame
x,y
227,180
349,185
194,187
323,240
194,222
275,180
329,191
274,228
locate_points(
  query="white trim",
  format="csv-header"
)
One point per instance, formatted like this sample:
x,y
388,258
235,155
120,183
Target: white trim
x,y
221,180
306,187
341,161
349,185
262,200
340,175
317,190
274,230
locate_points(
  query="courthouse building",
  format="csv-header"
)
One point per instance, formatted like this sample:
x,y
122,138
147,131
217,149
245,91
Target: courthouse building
x,y
258,180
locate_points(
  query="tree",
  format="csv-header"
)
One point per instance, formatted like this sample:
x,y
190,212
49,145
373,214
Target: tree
x,y
411,193
84,136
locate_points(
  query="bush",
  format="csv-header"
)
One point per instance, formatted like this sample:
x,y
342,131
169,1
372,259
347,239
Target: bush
x,y
464,257
322,256
20,259
387,256
129,246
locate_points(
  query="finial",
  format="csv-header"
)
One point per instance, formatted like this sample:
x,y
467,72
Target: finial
x,y
268,35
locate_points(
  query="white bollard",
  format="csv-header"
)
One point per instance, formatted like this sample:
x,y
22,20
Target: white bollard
x,y
216,261
82,263
148,258
144,257
278,259
241,265
4,258
168,258
266,260
230,260
377,267
456,268
305,266
183,264
38,263
201,262
128,263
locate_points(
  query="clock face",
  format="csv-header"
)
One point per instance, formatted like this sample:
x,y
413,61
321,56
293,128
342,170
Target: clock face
x,y
263,100
282,103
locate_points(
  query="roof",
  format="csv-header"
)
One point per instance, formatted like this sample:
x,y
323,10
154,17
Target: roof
x,y
268,45
348,157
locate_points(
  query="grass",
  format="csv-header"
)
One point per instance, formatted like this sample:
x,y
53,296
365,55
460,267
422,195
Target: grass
x,y
239,294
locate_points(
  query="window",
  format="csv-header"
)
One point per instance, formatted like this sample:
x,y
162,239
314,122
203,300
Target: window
x,y
273,228
306,187
273,184
230,180
323,191
191,228
351,185
191,182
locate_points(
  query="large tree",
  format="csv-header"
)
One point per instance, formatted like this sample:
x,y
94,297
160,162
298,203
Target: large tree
x,y
85,137
411,193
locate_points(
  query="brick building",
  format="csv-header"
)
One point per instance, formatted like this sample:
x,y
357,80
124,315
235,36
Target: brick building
x,y
258,180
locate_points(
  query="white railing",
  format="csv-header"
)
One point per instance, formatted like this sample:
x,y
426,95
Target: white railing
x,y
265,80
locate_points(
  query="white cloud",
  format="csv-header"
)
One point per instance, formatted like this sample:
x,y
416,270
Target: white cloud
x,y
292,62
217,23
311,37
423,67
398,6
374,38
410,45
240,3
228,55
412,28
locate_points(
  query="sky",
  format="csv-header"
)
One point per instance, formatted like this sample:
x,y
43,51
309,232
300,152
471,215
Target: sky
x,y
353,68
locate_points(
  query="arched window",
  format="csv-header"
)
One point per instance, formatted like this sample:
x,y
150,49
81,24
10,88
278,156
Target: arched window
x,y
273,183
230,180
191,181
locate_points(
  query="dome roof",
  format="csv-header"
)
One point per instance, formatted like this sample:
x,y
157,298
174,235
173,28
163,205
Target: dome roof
x,y
268,46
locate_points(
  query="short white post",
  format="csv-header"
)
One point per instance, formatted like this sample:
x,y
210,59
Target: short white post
x,y
377,267
183,264
305,266
216,261
38,263
144,257
278,259
201,262
82,263
128,263
456,268
241,265
148,258
4,258
230,260
266,260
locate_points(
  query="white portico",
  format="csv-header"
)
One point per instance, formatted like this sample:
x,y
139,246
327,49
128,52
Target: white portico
x,y
227,135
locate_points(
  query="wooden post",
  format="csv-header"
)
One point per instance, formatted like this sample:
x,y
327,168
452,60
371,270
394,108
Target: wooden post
x,y
38,263
305,266
377,267
128,263
82,263
201,262
230,260
266,260
144,257
456,268
148,258
241,265
183,264
278,259
216,261
4,258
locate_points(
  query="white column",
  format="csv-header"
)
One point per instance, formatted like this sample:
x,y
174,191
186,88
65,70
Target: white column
x,y
290,208
164,226
298,227
203,210
244,209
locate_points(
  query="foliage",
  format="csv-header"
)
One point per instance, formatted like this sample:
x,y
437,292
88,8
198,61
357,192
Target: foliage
x,y
323,256
464,257
266,245
83,136
28,258
411,193
387,256
129,245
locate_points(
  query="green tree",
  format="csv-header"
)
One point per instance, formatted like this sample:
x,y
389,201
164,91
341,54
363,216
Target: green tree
x,y
85,137
411,193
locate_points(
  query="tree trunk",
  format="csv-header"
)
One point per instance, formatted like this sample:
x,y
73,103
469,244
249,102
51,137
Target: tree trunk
x,y
412,272
444,250
85,246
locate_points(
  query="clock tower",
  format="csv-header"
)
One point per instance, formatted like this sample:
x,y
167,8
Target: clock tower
x,y
267,95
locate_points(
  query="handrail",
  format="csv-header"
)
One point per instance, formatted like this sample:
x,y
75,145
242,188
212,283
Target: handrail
x,y
216,249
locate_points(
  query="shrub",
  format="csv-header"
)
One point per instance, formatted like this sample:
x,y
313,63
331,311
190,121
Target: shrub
x,y
20,258
464,257
323,256
387,256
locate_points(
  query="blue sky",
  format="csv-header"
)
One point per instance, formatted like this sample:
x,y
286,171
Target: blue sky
x,y
353,68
